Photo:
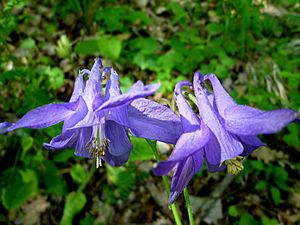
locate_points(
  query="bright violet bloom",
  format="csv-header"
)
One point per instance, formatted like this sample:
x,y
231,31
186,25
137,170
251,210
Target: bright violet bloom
x,y
144,118
188,154
234,128
225,131
89,125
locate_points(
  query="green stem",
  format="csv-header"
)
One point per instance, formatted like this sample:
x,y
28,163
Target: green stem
x,y
152,144
188,206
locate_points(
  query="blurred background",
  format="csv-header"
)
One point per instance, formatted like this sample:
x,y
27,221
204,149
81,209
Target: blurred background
x,y
252,46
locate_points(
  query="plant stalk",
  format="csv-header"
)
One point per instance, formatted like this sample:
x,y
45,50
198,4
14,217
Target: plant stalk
x,y
166,183
188,206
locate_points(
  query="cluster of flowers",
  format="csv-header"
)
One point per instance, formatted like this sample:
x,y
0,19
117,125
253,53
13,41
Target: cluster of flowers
x,y
97,125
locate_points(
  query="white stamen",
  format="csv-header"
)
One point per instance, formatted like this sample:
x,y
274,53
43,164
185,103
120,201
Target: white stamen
x,y
98,145
97,162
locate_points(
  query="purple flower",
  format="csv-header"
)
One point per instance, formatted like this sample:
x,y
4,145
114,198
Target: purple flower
x,y
225,131
188,154
92,122
234,128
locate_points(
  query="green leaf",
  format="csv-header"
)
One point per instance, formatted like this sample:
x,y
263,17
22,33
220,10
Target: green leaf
x,y
275,193
141,149
293,138
247,219
78,173
108,46
145,46
144,61
261,185
257,165
56,77
180,15
222,71
63,156
123,179
21,185
170,60
214,28
26,143
266,221
280,177
233,211
54,131
75,202
87,220
54,182
28,43
126,83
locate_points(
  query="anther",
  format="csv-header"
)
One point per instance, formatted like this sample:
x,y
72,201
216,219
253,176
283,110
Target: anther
x,y
234,166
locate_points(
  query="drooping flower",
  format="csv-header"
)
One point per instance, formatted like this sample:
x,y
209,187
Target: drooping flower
x,y
89,125
234,128
144,118
188,154
224,131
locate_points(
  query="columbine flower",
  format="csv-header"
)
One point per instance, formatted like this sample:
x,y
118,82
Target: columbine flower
x,y
234,128
89,125
188,154
144,118
224,132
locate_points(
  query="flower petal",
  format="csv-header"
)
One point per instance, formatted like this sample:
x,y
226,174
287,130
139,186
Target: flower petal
x,y
163,167
216,168
64,140
119,147
148,119
250,143
222,144
189,119
126,99
213,151
185,169
190,143
182,176
78,116
98,101
222,98
136,87
78,87
113,87
119,142
120,116
251,140
93,86
246,120
4,127
116,160
95,71
84,138
198,158
47,115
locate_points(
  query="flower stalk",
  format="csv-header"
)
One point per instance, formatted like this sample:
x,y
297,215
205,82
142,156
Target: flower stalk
x,y
188,206
173,207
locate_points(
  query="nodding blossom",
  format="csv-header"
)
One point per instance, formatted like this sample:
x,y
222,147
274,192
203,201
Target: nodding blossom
x,y
97,125
222,133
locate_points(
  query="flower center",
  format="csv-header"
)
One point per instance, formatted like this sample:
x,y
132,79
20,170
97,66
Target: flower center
x,y
234,166
98,145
